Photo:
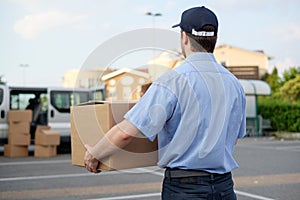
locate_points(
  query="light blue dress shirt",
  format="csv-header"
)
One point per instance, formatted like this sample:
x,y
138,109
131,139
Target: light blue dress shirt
x,y
197,110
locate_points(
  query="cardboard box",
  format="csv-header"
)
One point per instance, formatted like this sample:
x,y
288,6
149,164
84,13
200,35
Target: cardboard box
x,y
20,115
19,139
15,150
45,136
19,127
45,151
89,123
39,129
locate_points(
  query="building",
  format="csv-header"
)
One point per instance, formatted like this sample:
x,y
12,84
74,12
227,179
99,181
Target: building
x,y
163,62
82,78
125,84
244,64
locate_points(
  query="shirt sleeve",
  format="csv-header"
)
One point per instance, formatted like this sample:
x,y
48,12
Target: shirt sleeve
x,y
242,131
152,111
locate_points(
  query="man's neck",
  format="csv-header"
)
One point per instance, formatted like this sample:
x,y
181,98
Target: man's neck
x,y
192,52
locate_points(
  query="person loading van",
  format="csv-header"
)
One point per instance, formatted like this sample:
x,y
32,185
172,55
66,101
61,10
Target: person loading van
x,y
197,110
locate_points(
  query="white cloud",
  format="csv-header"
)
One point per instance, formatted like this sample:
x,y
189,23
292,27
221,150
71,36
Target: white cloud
x,y
33,25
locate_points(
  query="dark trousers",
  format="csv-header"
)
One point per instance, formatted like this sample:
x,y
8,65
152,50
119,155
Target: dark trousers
x,y
203,186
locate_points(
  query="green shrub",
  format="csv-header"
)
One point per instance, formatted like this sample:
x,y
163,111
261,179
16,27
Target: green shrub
x,y
284,116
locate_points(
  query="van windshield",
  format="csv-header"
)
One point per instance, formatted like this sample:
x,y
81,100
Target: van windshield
x,y
32,99
62,100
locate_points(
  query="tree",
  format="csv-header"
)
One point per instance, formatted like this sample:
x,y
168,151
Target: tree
x,y
273,80
290,91
290,73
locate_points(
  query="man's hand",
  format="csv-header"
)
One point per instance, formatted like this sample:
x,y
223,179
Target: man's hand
x,y
90,162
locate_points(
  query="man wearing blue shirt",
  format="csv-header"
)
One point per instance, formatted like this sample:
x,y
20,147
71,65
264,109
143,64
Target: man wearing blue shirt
x,y
196,110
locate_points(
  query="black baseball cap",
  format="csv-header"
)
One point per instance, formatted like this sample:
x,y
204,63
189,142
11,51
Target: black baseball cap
x,y
194,19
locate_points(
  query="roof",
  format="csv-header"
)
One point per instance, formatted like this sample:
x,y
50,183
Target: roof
x,y
255,87
256,52
125,70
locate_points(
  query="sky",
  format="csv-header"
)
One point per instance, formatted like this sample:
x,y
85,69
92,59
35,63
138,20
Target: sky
x,y
41,39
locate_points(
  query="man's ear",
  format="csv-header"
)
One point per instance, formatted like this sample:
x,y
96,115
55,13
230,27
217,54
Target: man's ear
x,y
185,38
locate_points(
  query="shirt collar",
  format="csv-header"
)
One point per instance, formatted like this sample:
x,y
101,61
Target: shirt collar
x,y
201,56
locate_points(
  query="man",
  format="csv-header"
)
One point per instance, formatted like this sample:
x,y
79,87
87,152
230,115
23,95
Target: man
x,y
197,110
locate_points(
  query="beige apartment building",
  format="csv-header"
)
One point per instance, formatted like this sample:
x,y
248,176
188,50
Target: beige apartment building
x,y
125,84
244,64
163,62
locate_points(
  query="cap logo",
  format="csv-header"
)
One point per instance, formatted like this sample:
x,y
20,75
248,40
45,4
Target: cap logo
x,y
202,33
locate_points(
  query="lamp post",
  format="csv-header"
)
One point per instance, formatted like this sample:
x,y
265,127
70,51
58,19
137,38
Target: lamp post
x,y
152,68
24,66
153,15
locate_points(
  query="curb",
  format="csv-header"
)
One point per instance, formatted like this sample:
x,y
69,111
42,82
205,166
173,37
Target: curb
x,y
287,135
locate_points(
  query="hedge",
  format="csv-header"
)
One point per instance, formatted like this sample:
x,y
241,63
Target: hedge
x,y
284,116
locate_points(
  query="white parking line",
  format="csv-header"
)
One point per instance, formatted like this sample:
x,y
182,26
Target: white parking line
x,y
134,171
144,170
138,196
24,178
44,177
35,162
253,196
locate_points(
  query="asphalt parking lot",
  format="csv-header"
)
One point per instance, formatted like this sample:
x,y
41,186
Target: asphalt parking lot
x,y
269,170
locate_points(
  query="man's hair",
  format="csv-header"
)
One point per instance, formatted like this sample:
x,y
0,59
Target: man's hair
x,y
203,43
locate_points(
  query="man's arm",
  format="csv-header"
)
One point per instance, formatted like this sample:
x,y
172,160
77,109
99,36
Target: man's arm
x,y
115,139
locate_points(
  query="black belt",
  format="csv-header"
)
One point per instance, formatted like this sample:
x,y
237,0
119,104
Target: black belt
x,y
180,173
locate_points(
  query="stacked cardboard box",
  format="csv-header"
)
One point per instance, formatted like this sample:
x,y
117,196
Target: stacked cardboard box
x,y
46,141
89,123
18,133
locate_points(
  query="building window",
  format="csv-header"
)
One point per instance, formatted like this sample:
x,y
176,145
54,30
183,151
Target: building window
x,y
126,93
91,83
112,93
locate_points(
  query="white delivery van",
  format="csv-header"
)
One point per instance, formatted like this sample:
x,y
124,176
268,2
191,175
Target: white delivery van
x,y
50,106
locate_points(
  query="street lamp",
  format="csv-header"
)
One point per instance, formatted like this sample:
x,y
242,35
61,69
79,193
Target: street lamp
x,y
153,15
24,66
153,66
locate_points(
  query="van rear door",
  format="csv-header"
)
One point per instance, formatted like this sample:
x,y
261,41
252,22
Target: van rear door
x,y
60,101
4,106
